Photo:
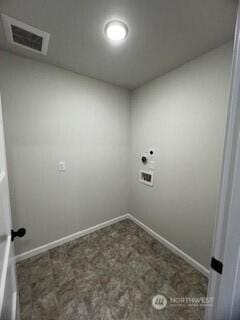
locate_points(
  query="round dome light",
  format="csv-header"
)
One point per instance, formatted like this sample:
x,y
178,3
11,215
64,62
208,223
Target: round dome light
x,y
116,31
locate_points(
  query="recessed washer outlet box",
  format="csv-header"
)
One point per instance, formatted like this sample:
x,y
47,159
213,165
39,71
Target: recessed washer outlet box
x,y
146,177
25,36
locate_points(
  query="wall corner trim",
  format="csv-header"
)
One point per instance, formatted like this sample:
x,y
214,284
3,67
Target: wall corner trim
x,y
56,243
166,243
171,246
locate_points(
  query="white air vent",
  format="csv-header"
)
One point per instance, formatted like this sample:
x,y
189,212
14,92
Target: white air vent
x,y
146,177
26,36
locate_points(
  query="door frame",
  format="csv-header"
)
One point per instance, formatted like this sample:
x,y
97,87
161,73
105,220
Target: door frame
x,y
225,287
9,304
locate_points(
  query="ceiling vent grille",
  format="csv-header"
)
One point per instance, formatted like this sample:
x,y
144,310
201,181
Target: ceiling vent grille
x,y
26,36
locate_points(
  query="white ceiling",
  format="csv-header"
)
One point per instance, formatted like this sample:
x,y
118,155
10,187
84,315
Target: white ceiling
x,y
163,34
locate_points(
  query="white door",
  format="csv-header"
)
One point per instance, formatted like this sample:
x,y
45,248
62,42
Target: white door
x,y
8,287
224,287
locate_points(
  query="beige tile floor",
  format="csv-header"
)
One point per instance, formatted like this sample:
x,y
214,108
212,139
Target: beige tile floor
x,y
111,274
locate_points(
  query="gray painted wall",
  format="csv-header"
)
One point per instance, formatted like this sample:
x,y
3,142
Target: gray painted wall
x,y
52,115
182,115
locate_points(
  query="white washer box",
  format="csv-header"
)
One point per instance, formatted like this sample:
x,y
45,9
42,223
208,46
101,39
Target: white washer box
x,y
146,177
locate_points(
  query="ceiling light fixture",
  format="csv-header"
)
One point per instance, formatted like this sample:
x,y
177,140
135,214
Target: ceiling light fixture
x,y
116,31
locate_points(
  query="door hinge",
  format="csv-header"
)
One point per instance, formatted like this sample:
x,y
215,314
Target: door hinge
x,y
216,265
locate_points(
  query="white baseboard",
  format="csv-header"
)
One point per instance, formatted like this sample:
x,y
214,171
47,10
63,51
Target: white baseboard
x,y
14,306
84,232
170,246
56,243
4,271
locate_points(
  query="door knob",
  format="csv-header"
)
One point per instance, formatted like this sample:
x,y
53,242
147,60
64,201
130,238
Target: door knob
x,y
20,233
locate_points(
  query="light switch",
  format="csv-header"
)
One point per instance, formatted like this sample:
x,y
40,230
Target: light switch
x,y
62,166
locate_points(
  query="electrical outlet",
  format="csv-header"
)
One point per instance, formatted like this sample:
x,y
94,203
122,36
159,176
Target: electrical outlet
x,y
62,166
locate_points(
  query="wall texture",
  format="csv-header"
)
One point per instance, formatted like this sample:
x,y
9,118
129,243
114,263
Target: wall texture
x,y
182,115
52,115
